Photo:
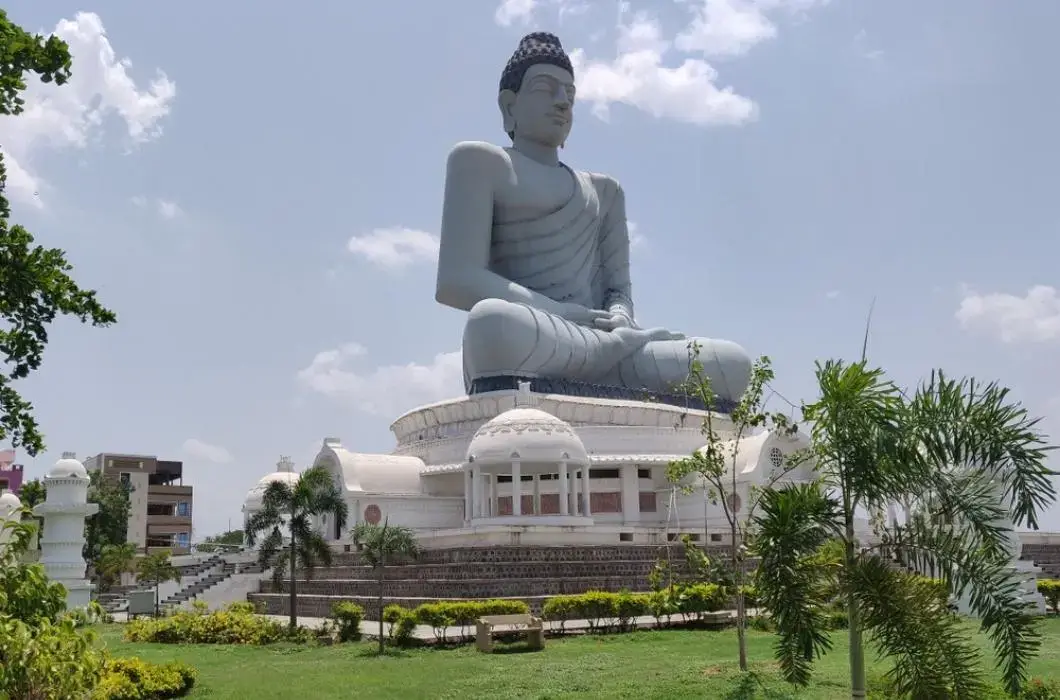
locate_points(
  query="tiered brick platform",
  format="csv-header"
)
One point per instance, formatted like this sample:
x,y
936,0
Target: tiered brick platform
x,y
1045,556
527,573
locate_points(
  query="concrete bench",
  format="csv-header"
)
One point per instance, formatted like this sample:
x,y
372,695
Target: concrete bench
x,y
489,626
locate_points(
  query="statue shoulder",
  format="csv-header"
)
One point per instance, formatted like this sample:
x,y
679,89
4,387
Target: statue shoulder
x,y
479,157
607,187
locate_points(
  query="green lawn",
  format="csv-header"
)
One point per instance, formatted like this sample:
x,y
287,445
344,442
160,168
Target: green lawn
x,y
669,665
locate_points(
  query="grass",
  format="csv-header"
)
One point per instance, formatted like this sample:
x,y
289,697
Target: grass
x,y
669,664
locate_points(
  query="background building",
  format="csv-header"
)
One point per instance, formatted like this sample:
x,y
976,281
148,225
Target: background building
x,y
10,473
160,504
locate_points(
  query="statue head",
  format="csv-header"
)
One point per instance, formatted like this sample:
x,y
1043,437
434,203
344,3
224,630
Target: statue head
x,y
537,91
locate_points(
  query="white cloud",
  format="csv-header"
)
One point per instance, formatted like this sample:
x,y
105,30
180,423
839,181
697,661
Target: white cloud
x,y
1034,318
165,208
395,248
168,210
73,115
388,390
832,294
636,238
510,12
639,78
643,74
197,449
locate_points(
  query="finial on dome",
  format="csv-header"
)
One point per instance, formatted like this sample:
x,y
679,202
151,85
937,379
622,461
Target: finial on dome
x,y
69,455
524,398
286,464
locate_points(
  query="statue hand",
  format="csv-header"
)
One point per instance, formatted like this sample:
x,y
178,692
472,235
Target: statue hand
x,y
647,335
614,321
581,315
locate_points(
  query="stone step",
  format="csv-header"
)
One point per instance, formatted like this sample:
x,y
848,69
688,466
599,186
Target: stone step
x,y
465,588
490,570
516,554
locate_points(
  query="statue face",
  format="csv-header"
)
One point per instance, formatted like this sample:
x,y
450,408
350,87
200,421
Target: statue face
x,y
543,109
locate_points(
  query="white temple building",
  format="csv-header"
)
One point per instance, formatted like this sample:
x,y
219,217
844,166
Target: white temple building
x,y
515,467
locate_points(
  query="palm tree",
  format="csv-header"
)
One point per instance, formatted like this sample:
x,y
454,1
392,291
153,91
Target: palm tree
x,y
115,560
958,452
156,568
380,544
294,508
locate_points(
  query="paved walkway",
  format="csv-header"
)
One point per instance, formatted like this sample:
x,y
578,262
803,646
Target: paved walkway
x,y
370,628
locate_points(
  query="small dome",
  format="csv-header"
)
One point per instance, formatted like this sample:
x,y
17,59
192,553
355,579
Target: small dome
x,y
68,468
9,503
284,473
530,434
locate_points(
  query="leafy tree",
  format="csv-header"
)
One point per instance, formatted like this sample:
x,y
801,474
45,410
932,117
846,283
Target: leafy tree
x,y
109,526
157,568
380,544
42,653
32,493
959,452
294,508
223,542
35,286
716,467
115,560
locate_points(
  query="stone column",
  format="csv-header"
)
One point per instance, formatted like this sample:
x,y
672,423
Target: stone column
x,y
630,493
564,500
493,495
468,495
517,488
537,494
480,493
586,510
572,489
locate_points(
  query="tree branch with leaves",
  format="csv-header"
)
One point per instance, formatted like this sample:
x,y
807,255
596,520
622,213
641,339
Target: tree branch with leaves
x,y
958,452
715,467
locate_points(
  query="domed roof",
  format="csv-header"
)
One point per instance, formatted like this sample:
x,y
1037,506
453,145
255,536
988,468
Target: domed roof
x,y
9,503
68,468
528,434
284,473
386,475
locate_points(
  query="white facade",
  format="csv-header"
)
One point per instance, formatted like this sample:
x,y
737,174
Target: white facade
x,y
64,511
451,476
252,503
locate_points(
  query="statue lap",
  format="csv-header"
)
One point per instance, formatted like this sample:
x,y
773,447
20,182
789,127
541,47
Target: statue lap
x,y
506,339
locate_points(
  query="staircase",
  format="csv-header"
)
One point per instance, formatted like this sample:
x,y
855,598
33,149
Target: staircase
x,y
1045,556
528,573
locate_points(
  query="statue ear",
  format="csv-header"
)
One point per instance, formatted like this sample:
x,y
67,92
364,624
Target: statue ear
x,y
506,102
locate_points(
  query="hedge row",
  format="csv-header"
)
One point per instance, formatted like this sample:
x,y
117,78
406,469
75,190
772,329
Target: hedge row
x,y
618,611
438,616
1050,590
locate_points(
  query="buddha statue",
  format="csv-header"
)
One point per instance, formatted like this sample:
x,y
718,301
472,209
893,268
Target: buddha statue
x,y
538,255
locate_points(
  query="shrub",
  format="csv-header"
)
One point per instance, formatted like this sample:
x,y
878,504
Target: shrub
x,y
603,610
698,598
347,618
661,605
1050,590
444,614
135,679
234,625
402,624
934,587
1038,689
750,597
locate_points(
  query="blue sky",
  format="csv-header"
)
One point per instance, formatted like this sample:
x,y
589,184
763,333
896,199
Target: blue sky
x,y
255,188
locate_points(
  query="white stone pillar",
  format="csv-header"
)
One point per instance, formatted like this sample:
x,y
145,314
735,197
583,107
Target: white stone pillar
x,y
479,487
630,493
564,499
537,494
493,496
586,510
517,488
468,495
